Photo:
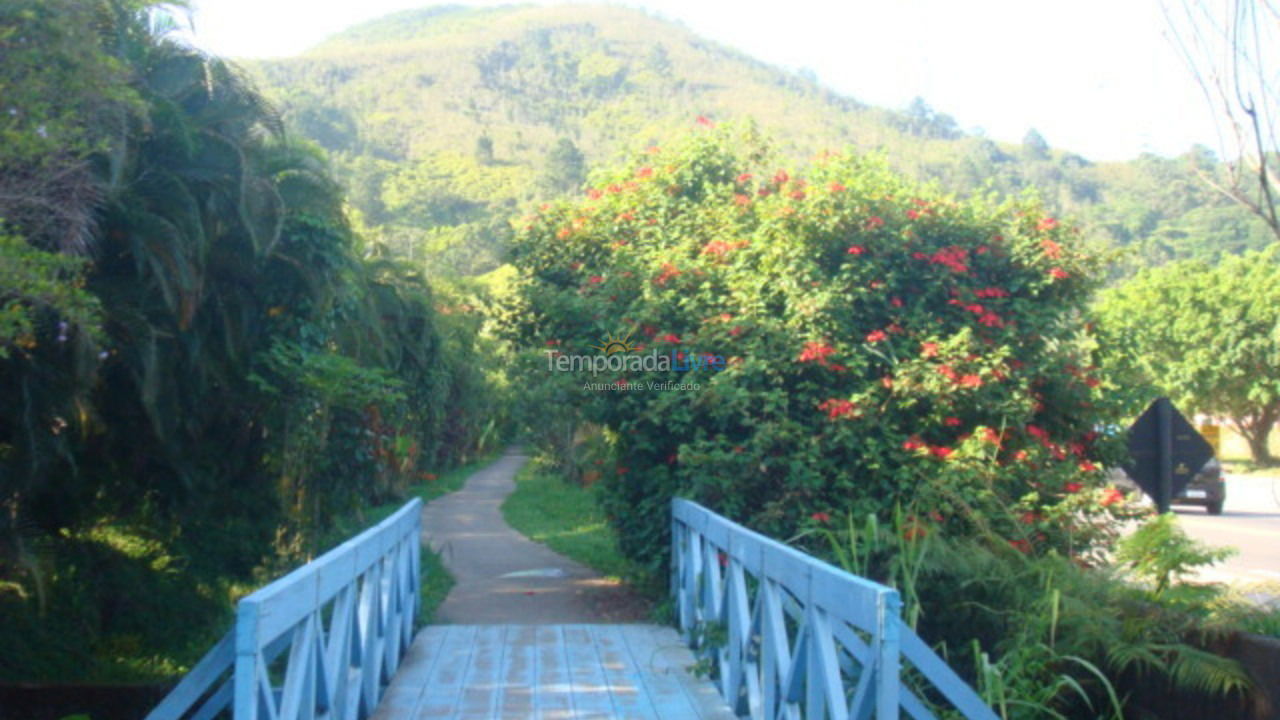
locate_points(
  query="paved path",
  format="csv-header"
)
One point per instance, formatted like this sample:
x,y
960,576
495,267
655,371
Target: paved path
x,y
503,577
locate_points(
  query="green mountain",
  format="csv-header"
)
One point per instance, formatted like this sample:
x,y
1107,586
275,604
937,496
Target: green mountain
x,y
445,122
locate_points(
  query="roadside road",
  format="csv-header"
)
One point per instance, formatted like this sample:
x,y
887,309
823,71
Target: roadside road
x,y
1250,522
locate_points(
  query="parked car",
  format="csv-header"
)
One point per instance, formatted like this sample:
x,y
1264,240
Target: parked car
x,y
1206,488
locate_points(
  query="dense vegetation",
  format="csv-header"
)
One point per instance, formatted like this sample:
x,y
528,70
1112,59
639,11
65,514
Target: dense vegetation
x,y
216,351
899,381
879,344
444,121
201,364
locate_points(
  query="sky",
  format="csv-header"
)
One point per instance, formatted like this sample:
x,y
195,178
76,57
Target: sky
x,y
1096,77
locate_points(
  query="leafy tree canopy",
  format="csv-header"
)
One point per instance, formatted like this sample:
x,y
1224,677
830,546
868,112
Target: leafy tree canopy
x,y
1207,335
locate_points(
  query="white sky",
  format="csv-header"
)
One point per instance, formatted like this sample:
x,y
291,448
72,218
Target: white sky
x,y
1095,77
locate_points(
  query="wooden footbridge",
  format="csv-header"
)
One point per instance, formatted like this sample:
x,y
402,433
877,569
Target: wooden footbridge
x,y
765,631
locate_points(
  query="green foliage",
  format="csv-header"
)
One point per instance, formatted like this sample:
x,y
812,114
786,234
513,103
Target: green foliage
x,y
1161,554
1051,638
1205,335
34,283
882,343
566,169
189,408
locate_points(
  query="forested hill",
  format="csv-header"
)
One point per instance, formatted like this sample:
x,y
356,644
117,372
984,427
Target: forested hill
x,y
446,121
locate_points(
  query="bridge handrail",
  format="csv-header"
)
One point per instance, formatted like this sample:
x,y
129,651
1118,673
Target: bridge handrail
x,y
346,619
790,635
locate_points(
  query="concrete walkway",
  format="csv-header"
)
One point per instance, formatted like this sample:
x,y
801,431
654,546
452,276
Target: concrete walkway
x,y
502,576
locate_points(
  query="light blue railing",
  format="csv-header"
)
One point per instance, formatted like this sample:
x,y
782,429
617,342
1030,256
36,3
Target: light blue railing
x,y
346,619
790,636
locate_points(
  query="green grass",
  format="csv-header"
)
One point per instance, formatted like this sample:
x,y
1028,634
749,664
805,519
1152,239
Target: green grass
x,y
565,518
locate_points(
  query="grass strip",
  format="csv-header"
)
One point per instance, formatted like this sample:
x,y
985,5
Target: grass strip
x,y
566,518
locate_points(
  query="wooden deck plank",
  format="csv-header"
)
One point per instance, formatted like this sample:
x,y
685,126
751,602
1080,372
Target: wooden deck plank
x,y
555,689
665,663
405,692
626,683
549,672
519,673
443,684
482,691
591,696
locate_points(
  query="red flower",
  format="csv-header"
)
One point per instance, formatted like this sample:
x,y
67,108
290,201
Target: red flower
x,y
1028,518
595,279
1047,224
836,408
896,302
941,452
1111,497
952,422
594,194
913,443
668,271
856,249
1059,274
797,195
835,187
873,222
991,320
992,292
644,172
715,247
1073,487
704,121
744,177
1086,466
781,177
742,200
815,352
928,349
564,233
947,371
820,517
913,214
1052,250
953,258
970,381
887,382
624,217
876,336
991,436
1038,432
672,338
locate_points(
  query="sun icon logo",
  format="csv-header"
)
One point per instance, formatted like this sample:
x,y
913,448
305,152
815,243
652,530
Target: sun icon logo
x,y
613,344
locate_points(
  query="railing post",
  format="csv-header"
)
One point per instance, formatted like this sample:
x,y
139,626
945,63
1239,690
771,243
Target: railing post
x,y
245,700
889,660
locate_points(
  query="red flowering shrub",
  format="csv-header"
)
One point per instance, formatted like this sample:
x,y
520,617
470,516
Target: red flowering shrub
x,y
883,344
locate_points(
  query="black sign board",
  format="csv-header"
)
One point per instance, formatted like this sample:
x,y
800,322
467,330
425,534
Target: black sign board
x,y
1165,452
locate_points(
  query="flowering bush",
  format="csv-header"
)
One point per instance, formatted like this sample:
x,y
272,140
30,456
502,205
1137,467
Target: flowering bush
x,y
884,344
